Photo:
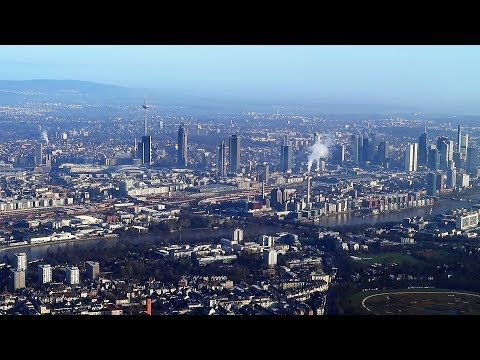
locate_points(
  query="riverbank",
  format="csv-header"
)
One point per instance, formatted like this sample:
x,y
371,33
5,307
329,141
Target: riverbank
x,y
21,246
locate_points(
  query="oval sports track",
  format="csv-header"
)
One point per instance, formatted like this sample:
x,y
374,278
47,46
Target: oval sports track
x,y
422,303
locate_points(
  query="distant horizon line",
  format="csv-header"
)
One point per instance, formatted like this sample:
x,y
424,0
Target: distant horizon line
x,y
281,99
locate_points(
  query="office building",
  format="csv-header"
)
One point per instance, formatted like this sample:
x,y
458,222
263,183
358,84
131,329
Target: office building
x,y
443,149
135,153
182,146
338,154
451,179
309,189
464,147
368,149
459,137
92,269
473,160
356,148
440,181
72,274
432,184
234,154
422,148
222,160
433,158
463,180
263,173
383,153
44,274
39,154
276,197
146,149
286,157
411,158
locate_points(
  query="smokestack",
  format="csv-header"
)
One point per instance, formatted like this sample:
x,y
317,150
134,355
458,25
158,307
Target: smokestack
x,y
309,189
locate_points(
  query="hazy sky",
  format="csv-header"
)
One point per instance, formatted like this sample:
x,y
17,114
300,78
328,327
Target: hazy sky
x,y
429,77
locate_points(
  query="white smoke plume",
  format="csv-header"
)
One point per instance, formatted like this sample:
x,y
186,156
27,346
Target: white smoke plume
x,y
44,136
319,150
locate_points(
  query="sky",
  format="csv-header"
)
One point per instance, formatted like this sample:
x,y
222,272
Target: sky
x,y
430,78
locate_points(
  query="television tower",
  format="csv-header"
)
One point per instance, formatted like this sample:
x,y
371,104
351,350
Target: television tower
x,y
145,106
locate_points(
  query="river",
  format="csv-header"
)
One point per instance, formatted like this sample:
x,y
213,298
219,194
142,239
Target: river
x,y
442,206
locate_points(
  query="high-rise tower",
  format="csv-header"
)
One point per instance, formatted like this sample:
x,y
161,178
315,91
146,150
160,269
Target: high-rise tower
x,y
234,155
145,106
422,148
459,137
285,156
411,157
356,148
39,154
222,160
182,146
146,149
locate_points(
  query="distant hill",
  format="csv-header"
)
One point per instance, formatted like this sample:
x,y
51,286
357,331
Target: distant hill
x,y
19,92
41,85
69,91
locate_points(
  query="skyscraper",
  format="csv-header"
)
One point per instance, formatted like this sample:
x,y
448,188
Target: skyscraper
x,y
473,160
182,146
264,173
234,153
338,154
368,147
443,149
451,178
135,151
146,149
463,147
459,138
440,181
432,184
422,148
356,145
411,157
309,189
38,153
285,156
222,160
383,153
433,158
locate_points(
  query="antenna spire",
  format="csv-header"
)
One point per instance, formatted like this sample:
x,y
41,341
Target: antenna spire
x,y
145,106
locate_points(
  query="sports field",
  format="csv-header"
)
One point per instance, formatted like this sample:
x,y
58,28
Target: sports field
x,y
422,303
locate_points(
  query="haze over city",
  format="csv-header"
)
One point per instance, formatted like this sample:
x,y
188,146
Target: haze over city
x,y
433,79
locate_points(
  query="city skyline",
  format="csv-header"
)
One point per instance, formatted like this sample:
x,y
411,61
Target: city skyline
x,y
122,201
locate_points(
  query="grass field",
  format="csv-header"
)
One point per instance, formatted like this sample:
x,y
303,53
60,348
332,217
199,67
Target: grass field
x,y
421,302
